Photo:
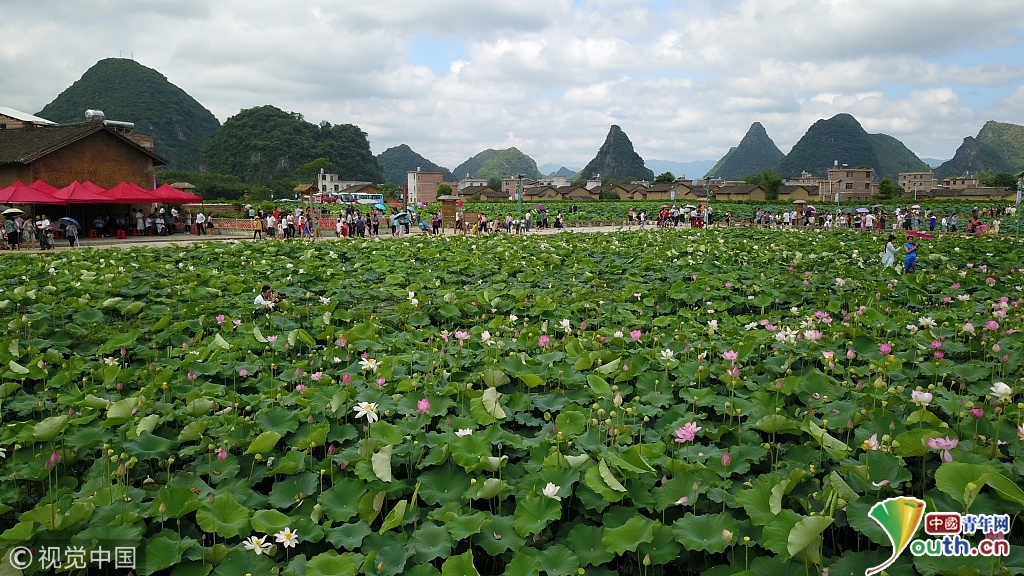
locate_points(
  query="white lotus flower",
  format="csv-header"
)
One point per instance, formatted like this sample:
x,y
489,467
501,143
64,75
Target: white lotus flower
x,y
926,322
912,328
566,325
712,326
367,410
257,545
667,354
1001,392
287,538
618,334
512,318
369,364
463,432
485,337
551,491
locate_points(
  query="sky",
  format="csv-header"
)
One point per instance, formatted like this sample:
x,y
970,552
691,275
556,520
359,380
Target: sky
x,y
684,79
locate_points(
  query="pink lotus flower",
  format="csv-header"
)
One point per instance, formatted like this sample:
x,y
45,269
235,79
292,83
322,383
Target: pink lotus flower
x,y
687,432
346,378
341,341
885,348
271,339
850,354
944,445
243,372
381,381
300,388
298,371
730,355
921,398
53,460
461,335
734,371
192,375
977,412
544,340
316,376
423,406
220,319
635,335
726,459
222,454
237,323
992,325
939,354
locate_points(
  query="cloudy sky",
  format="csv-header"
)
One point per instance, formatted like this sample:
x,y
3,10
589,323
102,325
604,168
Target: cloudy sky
x,y
684,79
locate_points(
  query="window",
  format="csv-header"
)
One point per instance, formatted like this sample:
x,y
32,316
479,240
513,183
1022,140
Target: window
x,y
849,185
849,174
867,186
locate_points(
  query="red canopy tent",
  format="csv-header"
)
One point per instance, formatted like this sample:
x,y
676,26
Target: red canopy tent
x,y
82,192
130,193
21,193
168,193
43,187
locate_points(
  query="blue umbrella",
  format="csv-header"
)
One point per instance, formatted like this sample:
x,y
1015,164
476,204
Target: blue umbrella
x,y
72,221
380,207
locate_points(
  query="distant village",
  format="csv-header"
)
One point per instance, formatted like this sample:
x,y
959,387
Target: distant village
x,y
108,152
841,184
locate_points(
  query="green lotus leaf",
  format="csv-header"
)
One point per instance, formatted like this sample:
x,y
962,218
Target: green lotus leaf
x,y
350,535
331,563
175,501
264,443
625,538
50,428
147,446
223,516
805,537
704,532
599,385
382,464
269,521
119,412
462,526
394,518
461,565
533,513
293,489
430,541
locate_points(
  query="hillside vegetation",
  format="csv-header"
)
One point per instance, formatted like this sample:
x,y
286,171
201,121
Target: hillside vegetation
x,y
130,92
260,145
396,162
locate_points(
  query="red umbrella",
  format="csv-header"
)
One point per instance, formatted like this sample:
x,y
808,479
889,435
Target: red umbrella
x,y
21,193
917,234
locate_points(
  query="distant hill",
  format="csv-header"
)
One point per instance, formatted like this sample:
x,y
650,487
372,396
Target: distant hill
x,y
498,164
260,145
130,92
841,138
398,161
755,153
471,165
552,169
693,170
933,162
999,147
617,161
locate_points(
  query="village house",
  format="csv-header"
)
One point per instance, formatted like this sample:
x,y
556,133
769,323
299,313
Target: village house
x,y
738,191
915,183
101,151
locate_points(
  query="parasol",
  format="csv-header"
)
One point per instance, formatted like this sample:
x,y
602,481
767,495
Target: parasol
x,y
13,212
68,220
917,234
799,201
862,210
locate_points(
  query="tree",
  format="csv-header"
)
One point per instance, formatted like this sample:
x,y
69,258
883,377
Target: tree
x,y
997,179
389,190
887,190
665,178
308,171
579,181
771,183
494,182
444,190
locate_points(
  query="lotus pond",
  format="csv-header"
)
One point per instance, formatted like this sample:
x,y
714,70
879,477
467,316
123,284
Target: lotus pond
x,y
663,402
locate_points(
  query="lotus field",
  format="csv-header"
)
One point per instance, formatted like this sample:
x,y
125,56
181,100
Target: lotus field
x,y
653,402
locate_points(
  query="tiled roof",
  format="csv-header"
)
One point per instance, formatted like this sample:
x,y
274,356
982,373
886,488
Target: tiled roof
x,y
25,145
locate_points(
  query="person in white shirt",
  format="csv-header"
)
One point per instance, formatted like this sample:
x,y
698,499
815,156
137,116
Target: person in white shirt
x,y
201,223
271,225
267,301
869,221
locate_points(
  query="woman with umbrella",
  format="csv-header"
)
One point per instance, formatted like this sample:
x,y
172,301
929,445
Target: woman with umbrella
x,y
11,228
71,228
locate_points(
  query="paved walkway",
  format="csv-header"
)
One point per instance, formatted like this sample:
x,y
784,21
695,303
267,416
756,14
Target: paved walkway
x,y
239,236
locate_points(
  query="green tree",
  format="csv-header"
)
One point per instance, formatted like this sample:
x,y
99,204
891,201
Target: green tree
x,y
887,190
771,183
444,190
390,191
494,182
997,179
308,171
752,179
665,178
579,181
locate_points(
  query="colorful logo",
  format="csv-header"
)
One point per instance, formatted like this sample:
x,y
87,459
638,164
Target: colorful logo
x,y
900,518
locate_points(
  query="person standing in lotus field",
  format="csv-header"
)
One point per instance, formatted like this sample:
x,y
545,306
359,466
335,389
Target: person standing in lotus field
x,y
910,261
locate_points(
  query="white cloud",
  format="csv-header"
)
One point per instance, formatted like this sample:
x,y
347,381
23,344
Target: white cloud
x,y
684,79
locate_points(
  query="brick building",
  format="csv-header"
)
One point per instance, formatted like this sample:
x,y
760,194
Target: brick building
x,y
59,155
